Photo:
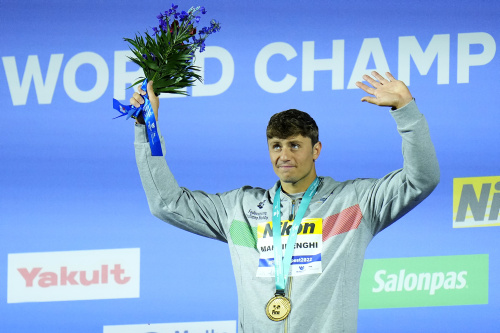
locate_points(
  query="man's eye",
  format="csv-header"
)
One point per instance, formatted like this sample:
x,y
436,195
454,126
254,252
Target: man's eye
x,y
295,146
276,147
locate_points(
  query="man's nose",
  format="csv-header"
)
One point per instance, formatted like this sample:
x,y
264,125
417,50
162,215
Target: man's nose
x,y
285,154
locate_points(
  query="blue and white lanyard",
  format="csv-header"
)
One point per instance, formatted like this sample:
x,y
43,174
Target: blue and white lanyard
x,y
282,263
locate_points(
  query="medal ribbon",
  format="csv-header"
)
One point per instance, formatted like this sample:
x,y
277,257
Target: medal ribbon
x,y
282,263
149,119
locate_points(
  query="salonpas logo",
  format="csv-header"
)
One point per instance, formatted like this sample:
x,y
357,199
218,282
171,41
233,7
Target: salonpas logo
x,y
424,281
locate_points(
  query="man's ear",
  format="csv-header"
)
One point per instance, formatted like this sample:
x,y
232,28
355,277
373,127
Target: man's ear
x,y
316,150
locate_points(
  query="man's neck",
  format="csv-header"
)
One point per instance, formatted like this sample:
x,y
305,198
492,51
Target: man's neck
x,y
300,186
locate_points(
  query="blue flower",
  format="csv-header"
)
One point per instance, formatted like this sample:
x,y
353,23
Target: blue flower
x,y
163,25
203,10
183,16
214,26
198,18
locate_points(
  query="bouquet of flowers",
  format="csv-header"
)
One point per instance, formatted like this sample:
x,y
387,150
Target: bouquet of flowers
x,y
167,56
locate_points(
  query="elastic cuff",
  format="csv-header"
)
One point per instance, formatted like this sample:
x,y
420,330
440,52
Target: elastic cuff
x,y
394,109
407,114
140,133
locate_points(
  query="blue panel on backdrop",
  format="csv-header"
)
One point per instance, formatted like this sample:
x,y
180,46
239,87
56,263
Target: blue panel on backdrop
x,y
70,186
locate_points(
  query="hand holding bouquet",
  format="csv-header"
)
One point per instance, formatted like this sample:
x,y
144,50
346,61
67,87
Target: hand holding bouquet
x,y
167,59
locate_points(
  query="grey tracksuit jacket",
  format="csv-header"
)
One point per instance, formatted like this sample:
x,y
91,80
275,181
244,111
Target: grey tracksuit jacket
x,y
352,212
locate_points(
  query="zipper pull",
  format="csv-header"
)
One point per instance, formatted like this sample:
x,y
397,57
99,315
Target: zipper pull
x,y
290,218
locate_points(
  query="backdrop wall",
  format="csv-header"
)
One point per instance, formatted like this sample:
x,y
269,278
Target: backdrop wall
x,y
71,200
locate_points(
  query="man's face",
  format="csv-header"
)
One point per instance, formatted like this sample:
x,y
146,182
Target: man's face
x,y
293,161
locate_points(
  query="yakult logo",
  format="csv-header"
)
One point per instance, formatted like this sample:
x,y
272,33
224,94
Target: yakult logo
x,y
73,275
75,278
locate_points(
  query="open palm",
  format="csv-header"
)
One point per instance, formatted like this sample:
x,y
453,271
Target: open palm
x,y
386,92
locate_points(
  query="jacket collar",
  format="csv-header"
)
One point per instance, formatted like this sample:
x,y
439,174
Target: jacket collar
x,y
284,197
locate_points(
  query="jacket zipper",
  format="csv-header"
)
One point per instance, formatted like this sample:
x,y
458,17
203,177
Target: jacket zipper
x,y
290,278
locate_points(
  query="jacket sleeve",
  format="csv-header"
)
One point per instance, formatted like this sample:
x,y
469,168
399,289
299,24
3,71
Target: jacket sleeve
x,y
387,199
195,211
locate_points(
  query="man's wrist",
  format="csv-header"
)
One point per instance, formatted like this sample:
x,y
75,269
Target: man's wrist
x,y
140,119
403,102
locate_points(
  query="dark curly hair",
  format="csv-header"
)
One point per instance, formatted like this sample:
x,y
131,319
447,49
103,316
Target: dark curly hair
x,y
292,122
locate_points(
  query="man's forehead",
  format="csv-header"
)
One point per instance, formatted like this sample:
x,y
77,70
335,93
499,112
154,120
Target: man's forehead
x,y
294,138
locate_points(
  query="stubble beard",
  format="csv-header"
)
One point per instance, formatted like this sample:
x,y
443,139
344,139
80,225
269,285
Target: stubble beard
x,y
293,179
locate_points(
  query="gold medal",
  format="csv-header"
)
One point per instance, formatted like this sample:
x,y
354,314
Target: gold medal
x,y
278,308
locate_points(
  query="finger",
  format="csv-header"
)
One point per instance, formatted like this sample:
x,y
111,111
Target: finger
x,y
139,98
372,81
140,91
369,99
367,89
150,88
379,77
136,100
391,78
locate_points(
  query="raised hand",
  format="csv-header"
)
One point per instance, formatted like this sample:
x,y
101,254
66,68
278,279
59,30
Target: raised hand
x,y
386,92
136,99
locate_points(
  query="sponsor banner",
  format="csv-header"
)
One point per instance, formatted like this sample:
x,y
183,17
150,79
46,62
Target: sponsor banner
x,y
194,327
476,202
73,275
307,253
424,281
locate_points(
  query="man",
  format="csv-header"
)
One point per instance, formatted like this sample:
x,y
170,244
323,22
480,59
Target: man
x,y
319,249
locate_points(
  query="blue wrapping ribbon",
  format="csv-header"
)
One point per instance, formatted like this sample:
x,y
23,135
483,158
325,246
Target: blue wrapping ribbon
x,y
149,119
